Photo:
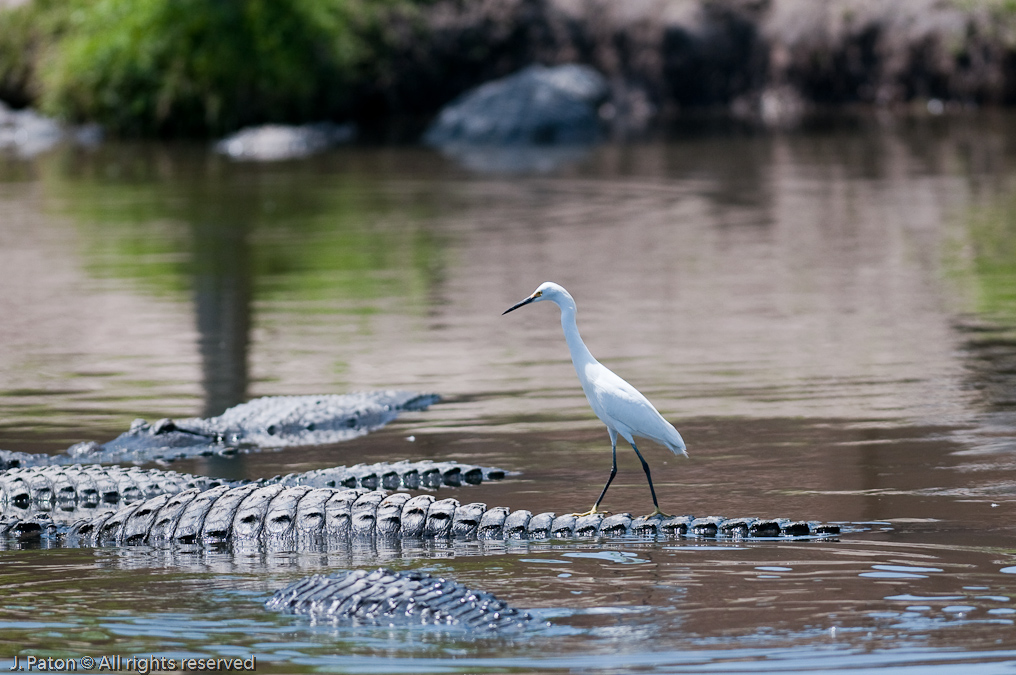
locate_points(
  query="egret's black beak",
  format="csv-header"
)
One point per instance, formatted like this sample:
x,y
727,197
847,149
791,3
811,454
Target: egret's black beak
x,y
520,304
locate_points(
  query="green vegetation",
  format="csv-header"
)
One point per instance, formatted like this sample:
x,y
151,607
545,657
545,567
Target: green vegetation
x,y
984,260
190,67
309,237
998,6
207,67
994,240
26,32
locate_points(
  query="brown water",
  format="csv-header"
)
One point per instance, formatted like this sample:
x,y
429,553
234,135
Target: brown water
x,y
827,316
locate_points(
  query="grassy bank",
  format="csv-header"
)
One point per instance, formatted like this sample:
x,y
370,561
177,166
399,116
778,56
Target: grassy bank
x,y
189,67
202,68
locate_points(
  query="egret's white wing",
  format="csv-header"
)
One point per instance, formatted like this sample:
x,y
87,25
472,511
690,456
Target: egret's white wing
x,y
624,408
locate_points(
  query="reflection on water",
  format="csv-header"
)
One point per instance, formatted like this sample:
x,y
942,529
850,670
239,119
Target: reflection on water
x,y
827,316
222,298
723,275
811,606
523,159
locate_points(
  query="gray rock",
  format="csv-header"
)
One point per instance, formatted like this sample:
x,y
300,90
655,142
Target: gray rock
x,y
536,106
28,133
275,142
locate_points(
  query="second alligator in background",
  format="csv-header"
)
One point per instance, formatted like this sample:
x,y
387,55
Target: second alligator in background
x,y
268,422
71,492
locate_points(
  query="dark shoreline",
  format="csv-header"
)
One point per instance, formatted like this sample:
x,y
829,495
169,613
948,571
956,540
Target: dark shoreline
x,y
773,63
771,60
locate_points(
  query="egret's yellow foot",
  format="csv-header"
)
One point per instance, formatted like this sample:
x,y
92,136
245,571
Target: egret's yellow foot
x,y
590,512
659,513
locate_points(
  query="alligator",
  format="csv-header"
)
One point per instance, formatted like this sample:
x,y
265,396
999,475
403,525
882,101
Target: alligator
x,y
70,492
387,598
308,518
91,486
269,422
42,500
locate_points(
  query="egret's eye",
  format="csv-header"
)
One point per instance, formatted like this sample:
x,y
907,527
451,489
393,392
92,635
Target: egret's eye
x,y
537,294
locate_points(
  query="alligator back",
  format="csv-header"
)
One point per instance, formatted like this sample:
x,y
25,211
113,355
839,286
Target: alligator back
x,y
70,493
387,598
303,517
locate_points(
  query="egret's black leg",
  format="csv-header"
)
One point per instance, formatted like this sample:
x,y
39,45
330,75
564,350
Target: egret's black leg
x,y
652,490
613,472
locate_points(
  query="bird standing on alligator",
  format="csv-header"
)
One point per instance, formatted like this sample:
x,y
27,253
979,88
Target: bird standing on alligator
x,y
619,405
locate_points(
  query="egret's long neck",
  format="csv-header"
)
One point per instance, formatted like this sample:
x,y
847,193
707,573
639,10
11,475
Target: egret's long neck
x,y
579,353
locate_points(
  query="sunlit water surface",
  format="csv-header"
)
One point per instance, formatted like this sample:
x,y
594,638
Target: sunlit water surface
x,y
826,315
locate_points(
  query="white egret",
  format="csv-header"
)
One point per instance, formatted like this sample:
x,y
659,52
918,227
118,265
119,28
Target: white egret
x,y
619,405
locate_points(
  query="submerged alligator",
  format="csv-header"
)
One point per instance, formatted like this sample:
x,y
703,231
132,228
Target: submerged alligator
x,y
387,598
301,517
269,422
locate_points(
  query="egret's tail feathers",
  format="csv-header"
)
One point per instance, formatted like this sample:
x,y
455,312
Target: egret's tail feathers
x,y
676,445
669,437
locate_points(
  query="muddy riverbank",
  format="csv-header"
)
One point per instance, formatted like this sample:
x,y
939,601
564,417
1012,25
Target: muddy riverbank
x,y
768,61
771,60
